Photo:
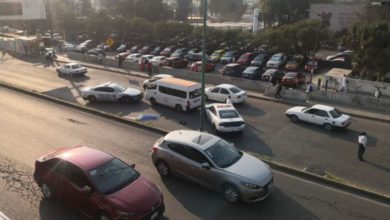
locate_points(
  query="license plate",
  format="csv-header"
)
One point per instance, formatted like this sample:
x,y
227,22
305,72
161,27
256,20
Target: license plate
x,y
154,216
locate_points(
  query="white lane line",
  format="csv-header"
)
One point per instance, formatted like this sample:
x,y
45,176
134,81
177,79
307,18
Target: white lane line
x,y
331,188
3,217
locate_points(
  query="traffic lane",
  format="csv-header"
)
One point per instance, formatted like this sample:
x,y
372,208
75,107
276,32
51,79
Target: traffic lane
x,y
268,131
41,119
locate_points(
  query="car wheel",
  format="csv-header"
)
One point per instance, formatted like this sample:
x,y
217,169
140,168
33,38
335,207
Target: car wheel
x,y
215,130
231,193
294,118
328,127
153,102
178,108
163,168
103,216
46,191
91,99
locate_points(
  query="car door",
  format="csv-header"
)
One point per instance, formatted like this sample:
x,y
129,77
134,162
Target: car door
x,y
100,93
178,159
309,115
322,117
213,94
66,69
223,95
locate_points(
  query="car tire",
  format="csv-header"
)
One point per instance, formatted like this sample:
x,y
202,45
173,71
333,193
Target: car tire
x,y
328,127
46,191
294,118
91,99
153,102
127,99
231,193
178,108
163,168
103,216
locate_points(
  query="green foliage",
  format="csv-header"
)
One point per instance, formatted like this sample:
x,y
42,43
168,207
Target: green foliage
x,y
371,44
184,7
228,10
280,12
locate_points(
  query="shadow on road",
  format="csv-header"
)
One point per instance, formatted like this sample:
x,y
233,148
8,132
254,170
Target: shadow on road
x,y
52,209
207,204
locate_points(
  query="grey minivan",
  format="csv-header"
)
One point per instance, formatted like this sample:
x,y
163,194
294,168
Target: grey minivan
x,y
212,162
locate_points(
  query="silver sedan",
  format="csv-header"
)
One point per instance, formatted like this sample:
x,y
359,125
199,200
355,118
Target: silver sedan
x,y
212,162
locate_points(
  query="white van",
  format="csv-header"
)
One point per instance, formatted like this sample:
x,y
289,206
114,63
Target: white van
x,y
182,95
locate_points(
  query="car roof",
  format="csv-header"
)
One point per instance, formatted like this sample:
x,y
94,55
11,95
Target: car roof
x,y
196,139
222,106
323,107
177,81
228,86
85,157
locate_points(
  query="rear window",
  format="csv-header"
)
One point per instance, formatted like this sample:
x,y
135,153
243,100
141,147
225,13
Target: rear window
x,y
235,90
228,114
195,94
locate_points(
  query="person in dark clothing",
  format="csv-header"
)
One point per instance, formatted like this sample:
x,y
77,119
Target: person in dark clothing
x,y
278,90
362,141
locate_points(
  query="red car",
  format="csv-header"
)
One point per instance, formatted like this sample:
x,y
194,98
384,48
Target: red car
x,y
197,67
168,51
97,184
176,62
293,79
246,59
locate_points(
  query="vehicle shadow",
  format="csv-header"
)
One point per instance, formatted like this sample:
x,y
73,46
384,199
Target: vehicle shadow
x,y
81,78
248,109
52,209
120,108
193,198
381,167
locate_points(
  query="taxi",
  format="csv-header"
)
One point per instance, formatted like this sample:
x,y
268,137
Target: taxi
x,y
225,118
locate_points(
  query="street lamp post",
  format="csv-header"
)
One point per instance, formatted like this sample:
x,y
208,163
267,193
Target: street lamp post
x,y
202,107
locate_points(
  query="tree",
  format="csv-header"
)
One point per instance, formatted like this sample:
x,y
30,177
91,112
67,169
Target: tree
x,y
151,10
280,12
371,46
123,8
184,7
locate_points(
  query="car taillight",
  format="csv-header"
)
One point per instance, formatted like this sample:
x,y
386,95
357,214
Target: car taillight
x,y
154,149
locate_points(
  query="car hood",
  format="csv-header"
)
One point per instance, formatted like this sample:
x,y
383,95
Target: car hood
x,y
343,117
252,169
131,91
296,109
139,196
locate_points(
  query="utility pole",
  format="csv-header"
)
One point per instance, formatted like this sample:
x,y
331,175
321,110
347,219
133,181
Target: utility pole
x,y
202,107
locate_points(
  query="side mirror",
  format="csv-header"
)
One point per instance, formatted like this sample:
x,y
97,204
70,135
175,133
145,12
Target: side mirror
x,y
86,190
205,165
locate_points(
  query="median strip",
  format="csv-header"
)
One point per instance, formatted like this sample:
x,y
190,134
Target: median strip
x,y
325,180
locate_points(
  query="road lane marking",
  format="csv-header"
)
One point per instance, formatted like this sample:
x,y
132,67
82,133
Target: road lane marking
x,y
3,217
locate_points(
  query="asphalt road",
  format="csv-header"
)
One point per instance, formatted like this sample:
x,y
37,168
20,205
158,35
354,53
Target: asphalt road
x,y
268,131
31,127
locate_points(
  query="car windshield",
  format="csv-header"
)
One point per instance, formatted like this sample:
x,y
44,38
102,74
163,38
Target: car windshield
x,y
275,58
117,87
228,114
335,113
195,94
235,90
223,154
259,57
113,176
250,70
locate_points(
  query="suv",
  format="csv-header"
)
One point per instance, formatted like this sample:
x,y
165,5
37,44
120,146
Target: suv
x,y
213,163
232,69
97,184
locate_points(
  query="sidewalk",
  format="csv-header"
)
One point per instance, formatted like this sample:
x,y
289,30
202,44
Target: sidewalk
x,y
353,111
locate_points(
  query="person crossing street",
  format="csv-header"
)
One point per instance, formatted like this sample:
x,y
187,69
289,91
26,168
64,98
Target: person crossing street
x,y
362,141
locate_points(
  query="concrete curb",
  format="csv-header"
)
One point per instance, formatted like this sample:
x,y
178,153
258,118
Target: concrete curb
x,y
275,165
289,102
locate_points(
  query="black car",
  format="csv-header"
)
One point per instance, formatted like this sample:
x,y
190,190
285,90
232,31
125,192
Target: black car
x,y
85,46
230,56
252,72
260,60
272,75
232,69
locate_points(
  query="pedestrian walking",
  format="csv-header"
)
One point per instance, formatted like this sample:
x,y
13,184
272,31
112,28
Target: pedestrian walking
x,y
229,101
343,85
278,90
362,142
309,90
378,93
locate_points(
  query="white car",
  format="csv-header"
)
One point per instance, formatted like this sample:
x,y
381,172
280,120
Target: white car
x,y
323,115
224,118
158,60
71,69
148,57
133,57
154,79
111,92
224,91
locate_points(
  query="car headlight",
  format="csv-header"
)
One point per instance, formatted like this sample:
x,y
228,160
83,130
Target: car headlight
x,y
251,185
124,215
